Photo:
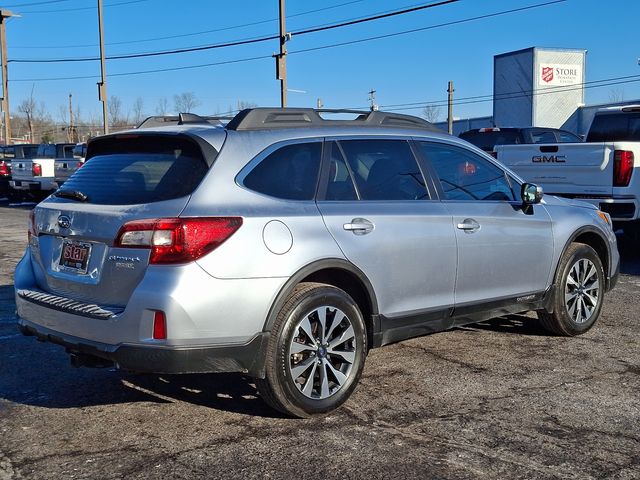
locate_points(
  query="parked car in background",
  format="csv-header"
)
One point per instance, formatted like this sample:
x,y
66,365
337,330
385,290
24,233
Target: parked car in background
x,y
9,154
37,175
65,167
286,245
603,171
487,138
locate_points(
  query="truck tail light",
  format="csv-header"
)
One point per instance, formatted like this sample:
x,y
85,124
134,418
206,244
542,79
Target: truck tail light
x,y
177,240
622,168
4,169
159,325
36,169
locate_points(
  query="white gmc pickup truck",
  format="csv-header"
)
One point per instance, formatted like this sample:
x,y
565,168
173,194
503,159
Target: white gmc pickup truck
x,y
604,171
37,175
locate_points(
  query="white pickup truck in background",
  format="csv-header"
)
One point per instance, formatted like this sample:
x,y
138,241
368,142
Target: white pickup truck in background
x,y
604,171
37,175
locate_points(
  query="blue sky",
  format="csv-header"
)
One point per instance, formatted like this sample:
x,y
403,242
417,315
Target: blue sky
x,y
406,68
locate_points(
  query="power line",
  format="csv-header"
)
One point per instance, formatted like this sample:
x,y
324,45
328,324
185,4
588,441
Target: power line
x,y
141,72
17,5
246,41
31,12
192,34
296,51
430,27
558,88
607,84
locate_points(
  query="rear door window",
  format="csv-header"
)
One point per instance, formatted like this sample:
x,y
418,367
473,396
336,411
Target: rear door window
x,y
289,173
384,170
139,170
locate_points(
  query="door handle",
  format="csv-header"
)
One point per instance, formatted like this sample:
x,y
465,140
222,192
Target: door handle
x,y
469,225
359,226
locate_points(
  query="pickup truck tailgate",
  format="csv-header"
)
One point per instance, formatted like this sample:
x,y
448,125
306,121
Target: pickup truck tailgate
x,y
566,168
22,170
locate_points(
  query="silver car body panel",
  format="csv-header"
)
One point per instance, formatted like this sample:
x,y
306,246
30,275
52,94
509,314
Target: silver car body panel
x,y
415,258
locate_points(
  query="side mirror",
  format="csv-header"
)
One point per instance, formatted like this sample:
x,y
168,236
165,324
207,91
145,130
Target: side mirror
x,y
531,193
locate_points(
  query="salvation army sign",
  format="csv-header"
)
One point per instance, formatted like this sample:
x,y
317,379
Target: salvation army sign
x,y
557,74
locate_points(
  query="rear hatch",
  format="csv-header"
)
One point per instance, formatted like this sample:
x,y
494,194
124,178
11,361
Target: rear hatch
x,y
126,177
565,168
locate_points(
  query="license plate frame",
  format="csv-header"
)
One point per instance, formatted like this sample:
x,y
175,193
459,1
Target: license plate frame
x,y
74,256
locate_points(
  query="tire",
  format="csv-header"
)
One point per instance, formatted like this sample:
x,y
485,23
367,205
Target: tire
x,y
307,374
579,292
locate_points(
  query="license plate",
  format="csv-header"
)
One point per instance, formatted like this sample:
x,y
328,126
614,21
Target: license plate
x,y
75,256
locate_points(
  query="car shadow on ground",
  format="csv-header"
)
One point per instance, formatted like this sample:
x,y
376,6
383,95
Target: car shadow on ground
x,y
516,324
629,255
40,375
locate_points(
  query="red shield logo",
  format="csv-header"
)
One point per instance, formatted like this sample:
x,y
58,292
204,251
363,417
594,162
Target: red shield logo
x,y
547,74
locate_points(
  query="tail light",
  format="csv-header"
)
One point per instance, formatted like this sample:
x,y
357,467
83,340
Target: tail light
x,y
4,169
159,325
177,240
622,168
36,169
78,165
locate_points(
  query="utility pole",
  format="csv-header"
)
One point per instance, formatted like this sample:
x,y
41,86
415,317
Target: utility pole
x,y
281,58
5,76
102,86
72,128
450,91
372,100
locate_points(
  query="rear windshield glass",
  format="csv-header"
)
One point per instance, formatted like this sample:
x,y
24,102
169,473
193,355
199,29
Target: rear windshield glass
x,y
30,151
139,170
615,128
487,140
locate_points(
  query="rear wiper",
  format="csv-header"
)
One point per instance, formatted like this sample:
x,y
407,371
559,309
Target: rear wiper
x,y
72,194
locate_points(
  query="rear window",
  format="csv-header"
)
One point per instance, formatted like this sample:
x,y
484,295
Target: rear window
x,y
487,140
29,151
139,170
615,128
289,173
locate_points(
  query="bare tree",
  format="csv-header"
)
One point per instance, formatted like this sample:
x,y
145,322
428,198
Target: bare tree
x,y
162,107
117,117
431,113
616,95
185,102
242,104
138,110
28,108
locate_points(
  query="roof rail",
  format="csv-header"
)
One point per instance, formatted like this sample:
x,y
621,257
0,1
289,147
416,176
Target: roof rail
x,y
269,118
181,119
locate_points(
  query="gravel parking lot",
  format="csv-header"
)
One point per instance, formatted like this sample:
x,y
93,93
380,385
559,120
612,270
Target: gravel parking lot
x,y
496,400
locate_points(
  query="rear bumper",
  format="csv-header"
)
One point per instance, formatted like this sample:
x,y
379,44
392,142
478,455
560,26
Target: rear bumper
x,y
246,358
45,184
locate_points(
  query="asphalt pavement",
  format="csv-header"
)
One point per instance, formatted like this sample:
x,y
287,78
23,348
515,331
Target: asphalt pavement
x,y
496,400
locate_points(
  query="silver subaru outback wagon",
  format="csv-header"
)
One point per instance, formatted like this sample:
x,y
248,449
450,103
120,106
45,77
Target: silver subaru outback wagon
x,y
286,245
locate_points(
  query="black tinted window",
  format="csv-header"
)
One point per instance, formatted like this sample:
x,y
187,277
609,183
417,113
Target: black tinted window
x,y
384,170
139,170
290,173
615,128
47,151
340,184
466,176
487,140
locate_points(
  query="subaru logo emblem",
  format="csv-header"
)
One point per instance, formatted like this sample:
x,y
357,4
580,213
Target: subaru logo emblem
x,y
64,221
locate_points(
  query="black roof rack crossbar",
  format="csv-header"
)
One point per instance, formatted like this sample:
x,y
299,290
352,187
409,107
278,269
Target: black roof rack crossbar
x,y
269,118
182,119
